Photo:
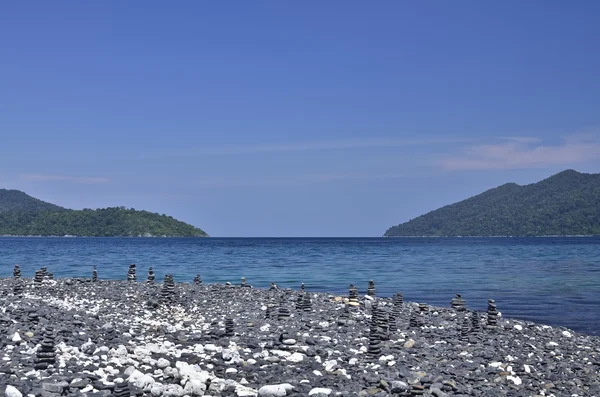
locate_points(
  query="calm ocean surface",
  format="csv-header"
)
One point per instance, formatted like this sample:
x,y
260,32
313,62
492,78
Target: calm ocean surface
x,y
554,281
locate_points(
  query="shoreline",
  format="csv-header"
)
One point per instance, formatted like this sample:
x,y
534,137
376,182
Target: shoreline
x,y
214,339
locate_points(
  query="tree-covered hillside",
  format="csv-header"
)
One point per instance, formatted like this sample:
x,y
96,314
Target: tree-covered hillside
x,y
28,218
15,200
567,203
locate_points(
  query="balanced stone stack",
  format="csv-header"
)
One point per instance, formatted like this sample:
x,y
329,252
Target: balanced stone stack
x,y
464,330
302,288
229,327
33,317
17,272
131,273
151,276
423,308
44,271
243,283
167,293
353,296
94,274
273,286
344,317
458,303
18,289
122,390
271,311
414,322
300,300
374,348
283,313
396,308
46,354
50,276
492,311
197,280
371,288
417,390
475,324
306,303
382,321
38,278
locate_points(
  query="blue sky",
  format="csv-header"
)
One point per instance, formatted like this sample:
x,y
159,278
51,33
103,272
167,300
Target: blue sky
x,y
272,118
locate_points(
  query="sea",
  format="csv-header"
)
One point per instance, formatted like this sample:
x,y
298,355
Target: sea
x,y
548,280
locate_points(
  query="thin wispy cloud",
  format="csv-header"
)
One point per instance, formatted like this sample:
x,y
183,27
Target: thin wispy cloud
x,y
575,149
302,147
65,178
292,180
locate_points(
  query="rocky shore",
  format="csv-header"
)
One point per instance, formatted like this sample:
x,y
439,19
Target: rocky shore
x,y
86,337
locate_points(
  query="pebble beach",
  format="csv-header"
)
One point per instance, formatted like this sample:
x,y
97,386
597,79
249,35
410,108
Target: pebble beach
x,y
90,337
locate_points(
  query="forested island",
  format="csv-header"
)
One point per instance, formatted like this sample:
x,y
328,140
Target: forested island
x,y
23,215
565,204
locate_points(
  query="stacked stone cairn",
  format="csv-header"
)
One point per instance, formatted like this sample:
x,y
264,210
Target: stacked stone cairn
x,y
17,272
458,303
398,300
273,286
46,354
244,283
374,348
353,296
33,317
283,313
381,321
44,271
197,280
300,299
464,330
306,303
424,308
50,276
167,293
371,288
131,273
122,390
344,316
151,276
414,322
475,324
229,327
94,274
492,313
18,289
38,278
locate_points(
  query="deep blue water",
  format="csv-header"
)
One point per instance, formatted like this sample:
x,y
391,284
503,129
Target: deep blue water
x,y
554,281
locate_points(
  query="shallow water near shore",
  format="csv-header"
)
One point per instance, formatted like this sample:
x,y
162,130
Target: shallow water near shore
x,y
554,281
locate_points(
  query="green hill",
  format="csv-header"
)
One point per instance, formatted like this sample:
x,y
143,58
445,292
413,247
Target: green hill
x,y
16,200
23,215
567,203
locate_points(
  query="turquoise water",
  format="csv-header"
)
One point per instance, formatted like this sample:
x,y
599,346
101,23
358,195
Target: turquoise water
x,y
549,280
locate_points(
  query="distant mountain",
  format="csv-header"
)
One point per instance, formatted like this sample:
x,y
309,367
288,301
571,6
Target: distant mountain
x,y
23,215
567,203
